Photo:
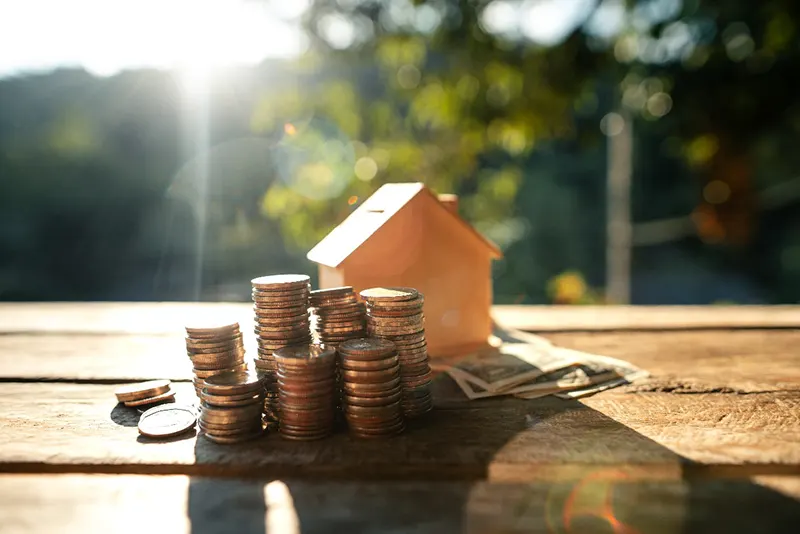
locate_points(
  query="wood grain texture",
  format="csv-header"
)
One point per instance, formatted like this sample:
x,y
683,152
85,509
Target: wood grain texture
x,y
133,504
731,360
171,317
701,361
78,427
600,318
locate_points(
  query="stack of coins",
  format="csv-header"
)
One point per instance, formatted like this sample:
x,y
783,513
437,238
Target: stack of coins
x,y
339,315
145,393
372,389
280,304
396,314
213,350
231,405
306,389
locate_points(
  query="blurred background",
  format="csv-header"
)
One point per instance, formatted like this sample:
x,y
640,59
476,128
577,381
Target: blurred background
x,y
641,151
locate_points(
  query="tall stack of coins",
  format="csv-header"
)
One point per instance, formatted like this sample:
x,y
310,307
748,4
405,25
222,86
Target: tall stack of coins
x,y
371,386
339,315
306,389
280,304
213,350
396,314
231,406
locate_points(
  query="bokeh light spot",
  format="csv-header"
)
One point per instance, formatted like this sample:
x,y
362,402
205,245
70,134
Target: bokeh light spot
x,y
289,128
366,169
408,76
612,124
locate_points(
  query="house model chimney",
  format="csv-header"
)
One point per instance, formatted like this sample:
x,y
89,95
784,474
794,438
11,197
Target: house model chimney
x,y
449,201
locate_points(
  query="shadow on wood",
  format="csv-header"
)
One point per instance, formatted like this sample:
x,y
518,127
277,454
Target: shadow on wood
x,y
501,469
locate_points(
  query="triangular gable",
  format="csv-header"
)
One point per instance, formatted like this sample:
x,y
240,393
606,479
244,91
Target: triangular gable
x,y
373,213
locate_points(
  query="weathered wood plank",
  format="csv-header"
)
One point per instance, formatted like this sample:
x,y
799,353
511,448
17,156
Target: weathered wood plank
x,y
170,317
178,504
691,361
78,427
737,360
599,318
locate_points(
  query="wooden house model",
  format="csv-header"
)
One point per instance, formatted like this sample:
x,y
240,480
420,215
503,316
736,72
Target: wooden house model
x,y
404,235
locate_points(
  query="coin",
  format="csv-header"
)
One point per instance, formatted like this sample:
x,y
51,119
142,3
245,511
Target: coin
x,y
373,401
389,294
167,396
233,383
212,330
141,390
230,440
167,421
280,281
364,348
369,365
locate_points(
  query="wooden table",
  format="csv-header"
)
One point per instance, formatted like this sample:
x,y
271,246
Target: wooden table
x,y
711,443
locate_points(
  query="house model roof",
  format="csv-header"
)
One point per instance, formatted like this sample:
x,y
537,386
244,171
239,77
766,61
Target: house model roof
x,y
373,213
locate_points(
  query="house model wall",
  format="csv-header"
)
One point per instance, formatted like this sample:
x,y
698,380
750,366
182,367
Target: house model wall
x,y
403,235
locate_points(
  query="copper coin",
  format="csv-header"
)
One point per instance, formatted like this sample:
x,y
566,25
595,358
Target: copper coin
x,y
233,383
370,422
401,339
332,292
415,381
361,348
372,401
392,430
205,374
231,440
224,402
269,293
384,305
414,369
217,367
415,359
386,410
278,313
339,308
327,388
280,281
369,377
389,294
404,320
304,353
370,365
167,396
212,330
193,345
266,334
141,390
365,389
228,432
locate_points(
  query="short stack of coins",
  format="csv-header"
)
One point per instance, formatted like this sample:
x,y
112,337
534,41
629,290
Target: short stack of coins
x,y
280,305
231,407
396,314
372,392
145,393
213,350
307,391
339,315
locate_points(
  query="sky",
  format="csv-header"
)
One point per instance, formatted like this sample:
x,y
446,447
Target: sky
x,y
107,36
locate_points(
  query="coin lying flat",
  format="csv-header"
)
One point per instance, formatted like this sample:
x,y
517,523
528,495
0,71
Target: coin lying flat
x,y
142,390
167,421
167,396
